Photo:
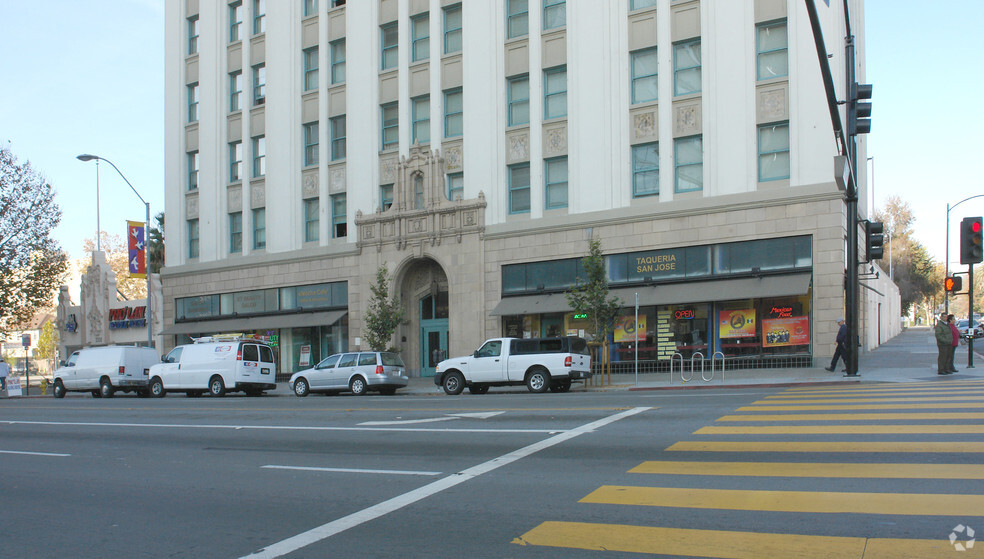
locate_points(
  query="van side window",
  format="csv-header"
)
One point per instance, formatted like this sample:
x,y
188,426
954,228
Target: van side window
x,y
251,352
367,359
266,354
348,360
72,359
174,356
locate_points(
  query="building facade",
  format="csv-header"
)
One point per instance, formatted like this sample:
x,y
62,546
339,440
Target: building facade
x,y
474,148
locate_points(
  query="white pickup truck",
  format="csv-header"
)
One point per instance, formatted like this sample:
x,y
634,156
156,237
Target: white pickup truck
x,y
540,363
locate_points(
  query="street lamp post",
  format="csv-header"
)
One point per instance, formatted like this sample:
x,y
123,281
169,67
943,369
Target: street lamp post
x,y
88,157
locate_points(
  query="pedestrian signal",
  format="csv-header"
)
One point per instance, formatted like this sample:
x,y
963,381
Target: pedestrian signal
x,y
953,284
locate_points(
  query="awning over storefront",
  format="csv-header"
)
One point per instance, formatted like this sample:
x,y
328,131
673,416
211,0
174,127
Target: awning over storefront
x,y
300,320
670,294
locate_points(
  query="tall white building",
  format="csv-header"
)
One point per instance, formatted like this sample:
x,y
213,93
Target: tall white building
x,y
474,146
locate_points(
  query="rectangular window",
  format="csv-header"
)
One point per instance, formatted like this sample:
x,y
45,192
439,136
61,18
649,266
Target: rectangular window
x,y
235,21
519,188
235,91
337,138
640,4
389,37
310,68
419,38
517,18
418,192
259,17
386,196
519,100
555,93
235,161
453,113
391,125
337,3
193,170
644,75
259,156
645,170
311,224
421,119
193,102
338,61
688,161
259,84
310,7
772,46
452,29
555,182
338,211
259,228
686,68
554,14
456,186
193,34
311,143
773,148
236,232
192,238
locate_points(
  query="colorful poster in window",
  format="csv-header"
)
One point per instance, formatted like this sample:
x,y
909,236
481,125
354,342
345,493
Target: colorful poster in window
x,y
305,357
777,332
737,324
626,329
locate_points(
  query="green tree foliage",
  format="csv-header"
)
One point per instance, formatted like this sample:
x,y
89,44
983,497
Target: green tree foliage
x,y
47,347
118,257
911,265
155,240
590,295
32,264
384,314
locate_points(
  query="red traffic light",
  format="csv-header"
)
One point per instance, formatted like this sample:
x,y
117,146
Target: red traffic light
x,y
953,283
975,226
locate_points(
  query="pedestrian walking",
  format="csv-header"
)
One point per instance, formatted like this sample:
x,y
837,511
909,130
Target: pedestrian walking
x,y
4,371
841,351
944,343
956,340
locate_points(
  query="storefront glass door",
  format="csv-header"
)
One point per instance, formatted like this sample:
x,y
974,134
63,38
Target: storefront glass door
x,y
433,345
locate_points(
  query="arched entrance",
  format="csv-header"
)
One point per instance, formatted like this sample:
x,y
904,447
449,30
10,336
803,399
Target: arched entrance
x,y
424,290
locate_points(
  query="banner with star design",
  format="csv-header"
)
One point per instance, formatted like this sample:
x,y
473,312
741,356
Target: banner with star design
x,y
136,242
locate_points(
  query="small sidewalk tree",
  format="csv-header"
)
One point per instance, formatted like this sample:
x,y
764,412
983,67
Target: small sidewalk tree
x,y
384,313
591,297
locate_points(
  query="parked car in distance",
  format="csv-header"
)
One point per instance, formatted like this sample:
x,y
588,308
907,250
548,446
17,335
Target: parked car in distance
x,y
966,332
103,371
215,365
355,372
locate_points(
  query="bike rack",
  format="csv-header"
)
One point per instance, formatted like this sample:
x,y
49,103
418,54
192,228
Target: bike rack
x,y
694,356
713,361
674,356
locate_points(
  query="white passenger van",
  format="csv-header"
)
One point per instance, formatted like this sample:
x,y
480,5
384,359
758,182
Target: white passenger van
x,y
215,365
103,371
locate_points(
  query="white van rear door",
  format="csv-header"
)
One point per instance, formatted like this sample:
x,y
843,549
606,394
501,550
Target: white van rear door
x,y
249,370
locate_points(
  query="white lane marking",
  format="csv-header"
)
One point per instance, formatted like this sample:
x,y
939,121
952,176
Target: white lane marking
x,y
337,526
32,453
280,427
352,471
448,417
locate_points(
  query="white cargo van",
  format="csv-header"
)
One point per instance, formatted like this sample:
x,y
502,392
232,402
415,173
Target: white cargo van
x,y
215,365
105,370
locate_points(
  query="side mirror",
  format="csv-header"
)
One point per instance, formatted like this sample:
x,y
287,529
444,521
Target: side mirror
x,y
475,354
61,363
163,358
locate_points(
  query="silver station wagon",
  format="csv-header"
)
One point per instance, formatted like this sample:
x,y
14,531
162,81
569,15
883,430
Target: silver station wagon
x,y
356,372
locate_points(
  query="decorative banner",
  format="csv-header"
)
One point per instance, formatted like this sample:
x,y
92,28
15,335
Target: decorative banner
x,y
785,331
737,324
136,242
626,330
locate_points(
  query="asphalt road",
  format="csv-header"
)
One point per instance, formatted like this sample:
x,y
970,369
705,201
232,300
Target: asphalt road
x,y
842,471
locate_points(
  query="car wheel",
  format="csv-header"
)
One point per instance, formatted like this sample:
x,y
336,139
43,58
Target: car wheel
x,y
453,383
538,380
301,387
106,389
216,387
358,386
561,386
479,389
59,389
156,388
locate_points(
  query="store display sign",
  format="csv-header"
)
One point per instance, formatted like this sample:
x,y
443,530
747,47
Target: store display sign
x,y
249,302
314,296
305,356
737,324
656,264
128,317
626,329
778,332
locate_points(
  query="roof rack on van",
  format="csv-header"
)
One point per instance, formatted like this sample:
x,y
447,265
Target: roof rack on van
x,y
221,338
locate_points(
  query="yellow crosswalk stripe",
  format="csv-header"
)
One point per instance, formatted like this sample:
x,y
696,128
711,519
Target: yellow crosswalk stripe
x,y
828,446
729,544
842,400
853,416
841,430
859,394
812,469
833,407
905,386
791,501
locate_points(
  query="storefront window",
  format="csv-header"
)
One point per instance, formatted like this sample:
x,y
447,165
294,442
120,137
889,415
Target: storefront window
x,y
738,329
785,325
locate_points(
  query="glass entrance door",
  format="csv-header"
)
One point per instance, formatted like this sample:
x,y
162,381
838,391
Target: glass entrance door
x,y
433,345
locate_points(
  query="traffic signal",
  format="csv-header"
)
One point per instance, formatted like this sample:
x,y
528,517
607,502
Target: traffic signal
x,y
952,284
874,239
971,249
859,111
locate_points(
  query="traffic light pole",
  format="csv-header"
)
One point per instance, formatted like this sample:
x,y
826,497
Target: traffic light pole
x,y
853,287
970,317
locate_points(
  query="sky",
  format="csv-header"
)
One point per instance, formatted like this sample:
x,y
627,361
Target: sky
x,y
87,76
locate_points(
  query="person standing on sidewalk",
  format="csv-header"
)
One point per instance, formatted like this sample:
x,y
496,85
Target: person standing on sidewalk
x,y
944,343
841,351
956,340
4,371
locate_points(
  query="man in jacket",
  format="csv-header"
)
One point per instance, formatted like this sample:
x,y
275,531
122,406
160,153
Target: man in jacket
x,y
841,351
944,343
